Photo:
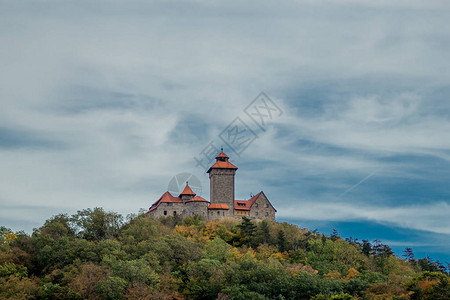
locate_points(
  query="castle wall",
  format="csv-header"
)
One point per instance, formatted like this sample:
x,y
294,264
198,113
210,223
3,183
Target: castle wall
x,y
218,214
167,209
193,208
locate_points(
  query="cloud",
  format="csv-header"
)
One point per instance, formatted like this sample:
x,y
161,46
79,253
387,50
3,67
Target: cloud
x,y
102,104
430,217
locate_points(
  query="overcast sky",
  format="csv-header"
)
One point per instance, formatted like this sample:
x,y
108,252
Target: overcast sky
x,y
103,102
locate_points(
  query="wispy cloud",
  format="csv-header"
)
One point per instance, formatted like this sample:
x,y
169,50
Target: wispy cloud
x,y
102,105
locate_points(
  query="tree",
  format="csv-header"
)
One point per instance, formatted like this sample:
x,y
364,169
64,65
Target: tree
x,y
97,224
334,236
408,254
265,232
247,230
58,226
138,270
218,249
19,288
366,248
281,241
111,288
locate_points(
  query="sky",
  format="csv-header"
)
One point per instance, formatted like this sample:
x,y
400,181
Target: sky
x,y
103,103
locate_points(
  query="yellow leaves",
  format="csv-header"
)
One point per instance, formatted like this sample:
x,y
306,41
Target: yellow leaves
x,y
235,253
427,284
352,274
10,236
295,269
186,231
250,254
215,228
280,256
191,232
332,275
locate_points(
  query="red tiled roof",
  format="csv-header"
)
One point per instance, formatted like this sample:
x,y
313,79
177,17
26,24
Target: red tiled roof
x,y
218,206
222,165
253,199
221,154
165,198
247,204
244,205
187,191
197,199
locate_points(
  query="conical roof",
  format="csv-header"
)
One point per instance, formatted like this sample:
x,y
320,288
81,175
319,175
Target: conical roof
x,y
221,154
187,190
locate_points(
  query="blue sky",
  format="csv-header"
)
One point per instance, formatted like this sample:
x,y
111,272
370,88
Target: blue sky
x,y
104,102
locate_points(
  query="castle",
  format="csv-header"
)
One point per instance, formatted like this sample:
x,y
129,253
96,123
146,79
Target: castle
x,y
222,205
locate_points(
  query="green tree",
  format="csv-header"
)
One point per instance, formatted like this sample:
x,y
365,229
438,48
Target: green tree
x,y
218,249
58,226
247,230
265,231
138,270
281,241
97,224
111,288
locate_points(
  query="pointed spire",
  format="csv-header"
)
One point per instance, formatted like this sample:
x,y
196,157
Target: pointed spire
x,y
187,190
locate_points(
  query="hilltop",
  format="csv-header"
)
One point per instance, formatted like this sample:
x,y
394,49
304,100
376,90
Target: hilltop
x,y
97,255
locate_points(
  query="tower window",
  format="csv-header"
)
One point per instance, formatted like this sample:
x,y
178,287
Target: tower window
x,y
267,205
267,213
165,212
256,204
256,213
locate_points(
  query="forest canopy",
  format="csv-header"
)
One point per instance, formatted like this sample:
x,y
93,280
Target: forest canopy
x,y
95,254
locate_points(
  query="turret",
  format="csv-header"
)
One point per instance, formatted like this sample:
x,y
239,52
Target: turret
x,y
221,179
187,194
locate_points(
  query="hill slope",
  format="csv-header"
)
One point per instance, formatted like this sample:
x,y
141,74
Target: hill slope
x,y
95,255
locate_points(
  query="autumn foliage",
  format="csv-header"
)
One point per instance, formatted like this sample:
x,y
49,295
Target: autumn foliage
x,y
96,255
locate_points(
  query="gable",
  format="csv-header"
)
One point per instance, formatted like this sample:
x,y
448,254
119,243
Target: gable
x,y
262,200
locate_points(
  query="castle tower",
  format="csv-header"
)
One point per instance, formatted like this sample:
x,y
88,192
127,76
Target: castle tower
x,y
187,194
221,180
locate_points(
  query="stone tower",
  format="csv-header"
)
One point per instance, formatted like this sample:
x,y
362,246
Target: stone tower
x,y
221,180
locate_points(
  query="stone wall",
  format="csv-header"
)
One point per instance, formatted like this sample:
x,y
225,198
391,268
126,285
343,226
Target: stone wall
x,y
167,209
262,209
196,208
218,214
